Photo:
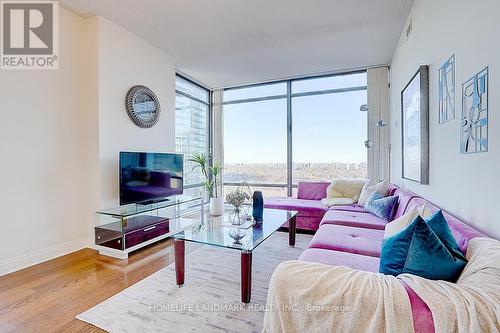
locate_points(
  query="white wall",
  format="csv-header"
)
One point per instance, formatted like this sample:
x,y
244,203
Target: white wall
x,y
468,186
126,60
43,150
61,132
93,179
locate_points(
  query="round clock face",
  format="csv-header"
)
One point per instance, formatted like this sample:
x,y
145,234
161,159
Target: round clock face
x,y
143,107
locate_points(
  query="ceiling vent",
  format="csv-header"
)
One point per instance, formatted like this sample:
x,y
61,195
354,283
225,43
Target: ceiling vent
x,y
409,29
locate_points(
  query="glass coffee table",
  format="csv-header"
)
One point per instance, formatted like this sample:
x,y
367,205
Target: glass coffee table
x,y
217,231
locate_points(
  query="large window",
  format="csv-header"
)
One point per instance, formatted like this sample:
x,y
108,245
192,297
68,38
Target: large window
x,y
328,136
255,142
192,107
278,134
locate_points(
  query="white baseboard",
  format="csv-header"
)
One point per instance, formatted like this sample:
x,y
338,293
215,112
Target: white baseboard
x,y
105,251
13,264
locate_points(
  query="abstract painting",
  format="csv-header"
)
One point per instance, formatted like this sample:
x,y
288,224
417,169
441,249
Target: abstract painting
x,y
446,86
474,129
415,127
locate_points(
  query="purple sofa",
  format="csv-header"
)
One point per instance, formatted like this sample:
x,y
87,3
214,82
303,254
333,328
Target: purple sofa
x,y
349,236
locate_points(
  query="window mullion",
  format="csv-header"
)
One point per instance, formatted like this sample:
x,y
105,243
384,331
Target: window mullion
x,y
289,161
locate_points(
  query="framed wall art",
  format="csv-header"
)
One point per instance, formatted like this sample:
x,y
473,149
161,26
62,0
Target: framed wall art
x,y
415,127
446,84
474,127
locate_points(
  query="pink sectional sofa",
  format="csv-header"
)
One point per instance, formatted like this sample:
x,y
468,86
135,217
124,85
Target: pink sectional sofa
x,y
349,236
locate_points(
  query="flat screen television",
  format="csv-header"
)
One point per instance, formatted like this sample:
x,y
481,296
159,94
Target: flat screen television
x,y
150,177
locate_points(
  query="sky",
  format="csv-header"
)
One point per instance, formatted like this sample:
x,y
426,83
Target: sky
x,y
326,128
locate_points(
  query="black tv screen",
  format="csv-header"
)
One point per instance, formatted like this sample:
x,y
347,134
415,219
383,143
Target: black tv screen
x,y
150,177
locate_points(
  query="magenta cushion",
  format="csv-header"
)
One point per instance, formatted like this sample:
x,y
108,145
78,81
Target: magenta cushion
x,y
311,207
312,190
353,219
349,208
337,258
363,241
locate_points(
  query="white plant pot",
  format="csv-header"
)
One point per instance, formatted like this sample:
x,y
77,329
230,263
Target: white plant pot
x,y
216,206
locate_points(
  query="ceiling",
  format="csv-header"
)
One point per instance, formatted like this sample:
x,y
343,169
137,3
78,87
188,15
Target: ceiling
x,y
230,42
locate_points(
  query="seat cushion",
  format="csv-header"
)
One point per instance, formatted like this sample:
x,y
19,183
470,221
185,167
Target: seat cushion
x,y
353,219
337,201
363,241
349,208
312,208
337,258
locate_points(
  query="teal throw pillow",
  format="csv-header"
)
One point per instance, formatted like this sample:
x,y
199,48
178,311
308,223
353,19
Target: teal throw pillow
x,y
418,250
439,225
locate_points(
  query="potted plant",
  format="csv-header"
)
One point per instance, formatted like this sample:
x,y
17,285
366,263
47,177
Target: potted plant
x,y
212,174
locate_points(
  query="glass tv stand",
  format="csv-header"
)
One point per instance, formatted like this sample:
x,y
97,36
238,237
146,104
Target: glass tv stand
x,y
127,228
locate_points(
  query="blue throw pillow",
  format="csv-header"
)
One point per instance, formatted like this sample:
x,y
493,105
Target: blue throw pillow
x,y
439,225
418,250
381,206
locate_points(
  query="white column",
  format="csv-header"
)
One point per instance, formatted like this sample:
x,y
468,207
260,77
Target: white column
x,y
378,110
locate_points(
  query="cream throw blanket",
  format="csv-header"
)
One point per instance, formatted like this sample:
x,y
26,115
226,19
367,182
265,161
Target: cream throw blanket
x,y
473,303
311,297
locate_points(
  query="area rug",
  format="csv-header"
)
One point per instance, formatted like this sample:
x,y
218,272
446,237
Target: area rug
x,y
210,300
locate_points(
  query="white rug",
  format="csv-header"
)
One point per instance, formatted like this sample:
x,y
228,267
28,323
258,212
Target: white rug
x,y
210,300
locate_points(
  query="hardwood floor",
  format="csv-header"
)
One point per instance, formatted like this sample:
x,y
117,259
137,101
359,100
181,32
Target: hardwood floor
x,y
48,296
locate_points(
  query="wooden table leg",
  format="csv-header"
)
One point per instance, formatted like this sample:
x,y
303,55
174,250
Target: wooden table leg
x,y
246,276
179,251
292,226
